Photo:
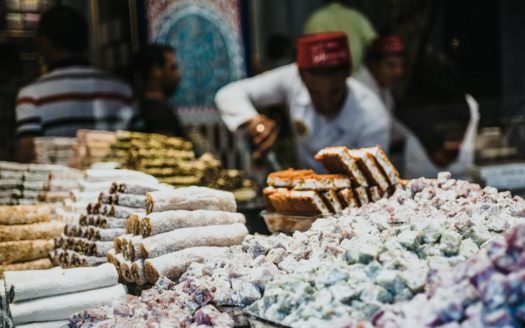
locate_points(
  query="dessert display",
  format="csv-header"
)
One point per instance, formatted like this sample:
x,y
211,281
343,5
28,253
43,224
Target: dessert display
x,y
364,266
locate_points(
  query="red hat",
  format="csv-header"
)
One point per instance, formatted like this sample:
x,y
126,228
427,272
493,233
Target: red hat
x,y
323,50
388,45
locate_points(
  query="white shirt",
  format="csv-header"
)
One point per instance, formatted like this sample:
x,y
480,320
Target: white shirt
x,y
418,164
385,94
362,122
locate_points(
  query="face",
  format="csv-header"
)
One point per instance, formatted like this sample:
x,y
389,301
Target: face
x,y
170,74
388,70
328,92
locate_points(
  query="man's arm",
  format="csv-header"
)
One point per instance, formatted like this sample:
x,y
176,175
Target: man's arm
x,y
238,100
237,104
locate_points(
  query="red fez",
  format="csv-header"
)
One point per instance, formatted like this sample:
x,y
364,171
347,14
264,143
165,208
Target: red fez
x,y
388,45
322,50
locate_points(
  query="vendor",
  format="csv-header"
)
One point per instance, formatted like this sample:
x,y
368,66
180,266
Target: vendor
x,y
326,108
384,65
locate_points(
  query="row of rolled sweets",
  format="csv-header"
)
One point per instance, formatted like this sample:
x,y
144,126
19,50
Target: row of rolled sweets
x,y
126,200
130,271
84,246
116,211
72,259
102,221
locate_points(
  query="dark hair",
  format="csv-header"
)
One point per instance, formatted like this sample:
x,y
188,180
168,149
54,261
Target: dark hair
x,y
151,55
345,68
65,28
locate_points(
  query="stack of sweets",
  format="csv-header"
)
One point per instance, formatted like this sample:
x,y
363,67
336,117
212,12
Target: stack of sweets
x,y
53,150
47,298
180,227
25,184
87,242
358,177
92,147
26,236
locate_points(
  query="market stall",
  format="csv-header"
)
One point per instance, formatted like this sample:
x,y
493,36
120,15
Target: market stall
x,y
374,249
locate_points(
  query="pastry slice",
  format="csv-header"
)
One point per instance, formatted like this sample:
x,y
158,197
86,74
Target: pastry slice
x,y
339,160
296,202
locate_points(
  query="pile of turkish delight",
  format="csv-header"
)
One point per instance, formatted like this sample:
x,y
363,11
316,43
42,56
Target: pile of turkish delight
x,y
485,291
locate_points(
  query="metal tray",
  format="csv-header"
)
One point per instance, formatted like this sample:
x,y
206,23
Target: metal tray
x,y
277,222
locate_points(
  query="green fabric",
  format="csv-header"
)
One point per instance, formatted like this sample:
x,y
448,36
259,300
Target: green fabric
x,y
336,17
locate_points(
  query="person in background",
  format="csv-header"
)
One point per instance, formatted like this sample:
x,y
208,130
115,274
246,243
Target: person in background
x,y
336,15
384,66
160,77
326,108
441,121
72,95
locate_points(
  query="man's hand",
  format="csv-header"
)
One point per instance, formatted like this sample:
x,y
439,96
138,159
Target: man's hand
x,y
263,132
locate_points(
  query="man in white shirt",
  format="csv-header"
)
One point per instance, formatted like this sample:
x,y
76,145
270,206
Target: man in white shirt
x,y
326,108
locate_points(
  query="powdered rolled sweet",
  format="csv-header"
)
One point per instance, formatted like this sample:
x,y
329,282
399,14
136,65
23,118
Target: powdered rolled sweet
x,y
190,198
120,212
46,230
107,234
134,249
135,188
64,282
129,200
25,214
63,306
157,223
133,223
138,272
111,223
173,265
26,250
218,235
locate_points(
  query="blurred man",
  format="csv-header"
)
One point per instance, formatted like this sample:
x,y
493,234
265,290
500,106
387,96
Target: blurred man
x,y
160,77
326,108
384,66
71,95
336,15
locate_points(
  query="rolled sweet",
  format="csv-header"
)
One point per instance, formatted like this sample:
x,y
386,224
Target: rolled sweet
x,y
135,188
63,306
160,222
190,198
40,264
111,223
121,212
125,270
25,214
173,265
137,272
26,250
107,234
64,282
129,200
92,261
218,235
133,223
134,249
